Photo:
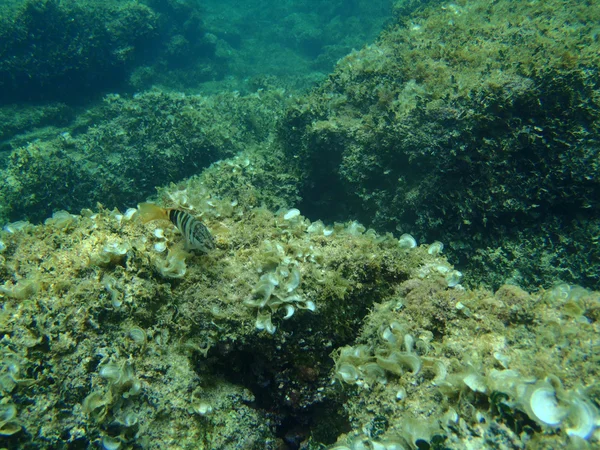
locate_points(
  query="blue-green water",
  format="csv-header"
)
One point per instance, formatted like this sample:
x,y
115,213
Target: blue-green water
x,y
403,198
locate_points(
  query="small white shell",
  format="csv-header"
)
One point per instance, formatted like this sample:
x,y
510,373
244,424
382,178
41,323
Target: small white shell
x,y
110,443
129,213
450,417
584,418
560,292
435,248
116,248
160,247
502,359
294,280
453,278
440,371
203,408
407,241
291,214
289,311
388,336
16,226
475,382
130,419
111,372
116,299
544,406
315,227
159,233
355,229
409,343
310,305
263,322
348,373
401,394
442,269
138,335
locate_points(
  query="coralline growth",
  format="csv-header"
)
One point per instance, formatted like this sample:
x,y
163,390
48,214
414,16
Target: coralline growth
x,y
97,322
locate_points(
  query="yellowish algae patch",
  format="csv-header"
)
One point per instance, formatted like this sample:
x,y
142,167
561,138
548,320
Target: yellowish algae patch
x,y
133,342
435,364
163,347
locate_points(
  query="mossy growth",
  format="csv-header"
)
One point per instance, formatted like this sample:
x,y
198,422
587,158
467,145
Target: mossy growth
x,y
416,356
53,50
470,123
437,363
119,151
129,340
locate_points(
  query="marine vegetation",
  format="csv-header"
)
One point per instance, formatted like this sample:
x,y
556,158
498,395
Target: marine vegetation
x,y
403,258
73,51
488,146
113,334
120,150
55,50
473,123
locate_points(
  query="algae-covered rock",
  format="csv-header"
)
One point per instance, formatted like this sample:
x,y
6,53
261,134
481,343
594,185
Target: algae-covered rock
x,y
471,123
435,367
246,340
303,328
20,124
120,151
61,50
142,356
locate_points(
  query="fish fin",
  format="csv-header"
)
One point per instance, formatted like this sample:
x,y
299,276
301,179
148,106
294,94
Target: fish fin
x,y
150,212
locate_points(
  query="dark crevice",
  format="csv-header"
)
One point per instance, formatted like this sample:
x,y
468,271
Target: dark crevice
x,y
320,422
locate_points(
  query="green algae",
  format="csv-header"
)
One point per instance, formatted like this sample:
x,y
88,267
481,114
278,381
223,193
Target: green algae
x,y
203,313
113,335
469,123
196,336
118,152
51,50
475,368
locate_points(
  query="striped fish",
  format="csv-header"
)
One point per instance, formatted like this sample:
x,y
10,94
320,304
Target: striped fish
x,y
197,236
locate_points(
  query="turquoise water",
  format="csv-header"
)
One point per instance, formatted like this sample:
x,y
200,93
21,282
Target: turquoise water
x,y
403,198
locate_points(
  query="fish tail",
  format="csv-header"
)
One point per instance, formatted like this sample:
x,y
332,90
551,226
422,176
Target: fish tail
x,y
150,211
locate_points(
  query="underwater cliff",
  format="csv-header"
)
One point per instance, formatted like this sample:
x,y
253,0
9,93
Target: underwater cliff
x,y
405,256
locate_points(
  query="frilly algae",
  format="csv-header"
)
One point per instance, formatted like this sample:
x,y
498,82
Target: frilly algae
x,y
483,370
416,358
131,332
